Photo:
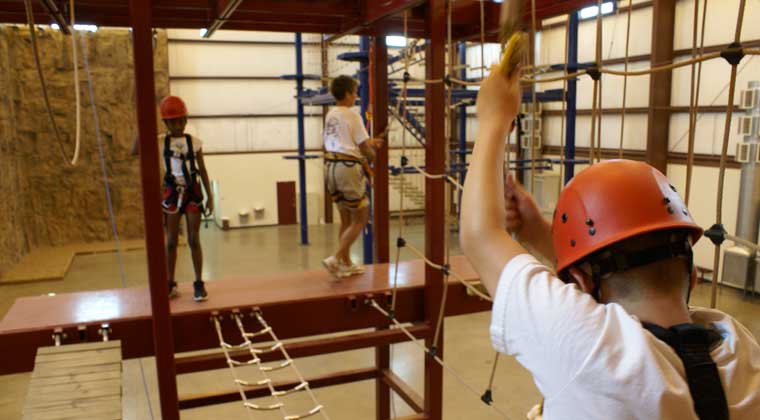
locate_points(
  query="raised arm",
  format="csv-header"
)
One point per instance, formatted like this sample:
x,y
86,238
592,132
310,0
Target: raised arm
x,y
483,236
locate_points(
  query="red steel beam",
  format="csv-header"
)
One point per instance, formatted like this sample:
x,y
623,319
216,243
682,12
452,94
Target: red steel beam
x,y
189,364
194,332
406,392
379,77
658,123
142,37
339,378
374,10
435,218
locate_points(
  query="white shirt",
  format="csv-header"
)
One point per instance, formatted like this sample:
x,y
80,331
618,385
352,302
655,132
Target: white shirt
x,y
344,131
178,146
595,361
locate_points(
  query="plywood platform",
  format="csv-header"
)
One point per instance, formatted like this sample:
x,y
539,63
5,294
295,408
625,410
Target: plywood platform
x,y
78,381
52,263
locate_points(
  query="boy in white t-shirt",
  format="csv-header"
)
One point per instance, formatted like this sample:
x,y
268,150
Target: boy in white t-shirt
x,y
185,170
615,338
348,151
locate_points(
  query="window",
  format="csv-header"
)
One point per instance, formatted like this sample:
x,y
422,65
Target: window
x,y
742,152
395,41
748,99
592,11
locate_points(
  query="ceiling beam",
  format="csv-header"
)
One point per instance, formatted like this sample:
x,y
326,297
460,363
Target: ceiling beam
x,y
224,10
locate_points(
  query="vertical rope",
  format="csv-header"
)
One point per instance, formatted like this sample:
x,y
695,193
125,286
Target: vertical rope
x,y
596,112
483,40
724,154
564,115
690,154
625,78
41,76
534,101
692,104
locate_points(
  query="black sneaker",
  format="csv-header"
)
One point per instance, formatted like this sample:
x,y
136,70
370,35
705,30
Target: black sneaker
x,y
200,291
173,290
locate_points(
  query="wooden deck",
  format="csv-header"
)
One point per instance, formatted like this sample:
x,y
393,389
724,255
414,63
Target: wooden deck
x,y
77,381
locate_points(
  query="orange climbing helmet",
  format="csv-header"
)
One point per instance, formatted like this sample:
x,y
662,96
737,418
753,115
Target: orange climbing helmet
x,y
173,107
613,201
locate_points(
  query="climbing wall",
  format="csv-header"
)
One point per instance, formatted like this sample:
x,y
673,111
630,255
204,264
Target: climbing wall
x,y
46,202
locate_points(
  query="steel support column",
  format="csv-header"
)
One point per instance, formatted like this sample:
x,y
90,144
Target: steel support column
x,y
571,96
462,121
142,38
658,124
364,99
435,218
301,145
328,203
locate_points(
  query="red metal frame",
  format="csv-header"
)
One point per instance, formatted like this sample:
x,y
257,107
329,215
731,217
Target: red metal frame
x,y
142,37
435,218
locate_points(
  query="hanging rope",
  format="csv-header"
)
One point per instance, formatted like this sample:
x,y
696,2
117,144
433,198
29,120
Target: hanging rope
x,y
625,78
437,359
595,89
724,154
694,101
41,76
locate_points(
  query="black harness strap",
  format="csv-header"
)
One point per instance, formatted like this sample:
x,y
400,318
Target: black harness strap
x,y
692,344
190,173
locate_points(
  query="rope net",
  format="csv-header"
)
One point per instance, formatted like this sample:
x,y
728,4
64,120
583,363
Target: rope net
x,y
733,54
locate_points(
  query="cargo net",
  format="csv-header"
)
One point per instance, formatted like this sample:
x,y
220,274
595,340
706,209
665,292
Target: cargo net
x,y
254,356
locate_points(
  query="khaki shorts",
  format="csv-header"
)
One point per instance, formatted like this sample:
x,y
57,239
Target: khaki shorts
x,y
347,184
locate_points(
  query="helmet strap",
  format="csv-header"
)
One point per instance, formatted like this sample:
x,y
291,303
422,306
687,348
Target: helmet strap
x,y
613,260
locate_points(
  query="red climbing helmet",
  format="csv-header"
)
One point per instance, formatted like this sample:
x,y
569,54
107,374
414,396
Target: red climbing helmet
x,y
173,107
613,201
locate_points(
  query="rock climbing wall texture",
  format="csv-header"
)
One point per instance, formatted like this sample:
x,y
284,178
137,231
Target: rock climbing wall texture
x,y
44,201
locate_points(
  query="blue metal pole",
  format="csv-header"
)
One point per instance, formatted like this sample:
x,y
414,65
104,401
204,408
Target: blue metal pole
x,y
301,144
367,237
462,113
572,91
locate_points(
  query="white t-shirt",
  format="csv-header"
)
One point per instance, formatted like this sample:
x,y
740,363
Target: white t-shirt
x,y
344,131
178,146
595,361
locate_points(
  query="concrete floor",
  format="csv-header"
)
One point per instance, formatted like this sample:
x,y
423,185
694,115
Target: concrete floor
x,y
239,253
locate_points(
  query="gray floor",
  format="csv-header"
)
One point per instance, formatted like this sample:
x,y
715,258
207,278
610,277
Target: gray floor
x,y
239,253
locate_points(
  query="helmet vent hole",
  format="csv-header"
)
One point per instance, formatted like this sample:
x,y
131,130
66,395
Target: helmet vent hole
x,y
673,188
685,212
670,210
666,200
592,231
572,242
564,217
589,222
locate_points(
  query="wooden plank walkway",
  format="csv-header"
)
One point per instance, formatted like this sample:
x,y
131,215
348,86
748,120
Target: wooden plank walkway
x,y
78,381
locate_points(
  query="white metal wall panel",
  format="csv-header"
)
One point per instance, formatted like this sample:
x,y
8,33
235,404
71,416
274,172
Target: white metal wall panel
x,y
613,36
720,25
207,59
708,133
715,78
255,134
225,97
